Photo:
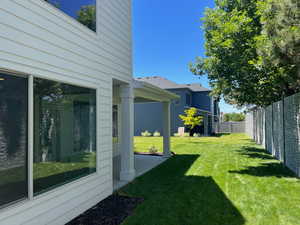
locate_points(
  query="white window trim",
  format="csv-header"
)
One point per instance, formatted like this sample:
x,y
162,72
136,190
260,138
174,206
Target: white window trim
x,y
30,136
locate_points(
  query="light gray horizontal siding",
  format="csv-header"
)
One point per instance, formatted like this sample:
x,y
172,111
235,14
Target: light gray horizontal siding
x,y
52,40
38,39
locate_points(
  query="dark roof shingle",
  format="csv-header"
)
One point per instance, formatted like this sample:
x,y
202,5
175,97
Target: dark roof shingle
x,y
164,83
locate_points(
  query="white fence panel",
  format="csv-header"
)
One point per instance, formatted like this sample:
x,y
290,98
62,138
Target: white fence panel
x,y
277,127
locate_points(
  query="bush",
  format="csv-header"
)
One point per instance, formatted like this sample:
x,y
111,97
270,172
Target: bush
x,y
146,134
176,135
156,134
196,135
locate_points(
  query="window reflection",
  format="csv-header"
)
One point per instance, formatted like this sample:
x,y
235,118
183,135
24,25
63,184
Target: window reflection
x,y
83,11
13,138
65,133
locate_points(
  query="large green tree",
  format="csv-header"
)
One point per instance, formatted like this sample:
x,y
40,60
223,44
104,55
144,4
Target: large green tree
x,y
278,45
238,63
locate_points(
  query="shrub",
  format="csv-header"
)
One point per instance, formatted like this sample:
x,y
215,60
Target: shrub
x,y
196,135
146,134
153,150
176,135
156,134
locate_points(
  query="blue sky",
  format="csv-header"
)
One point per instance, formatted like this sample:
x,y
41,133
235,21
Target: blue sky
x,y
167,37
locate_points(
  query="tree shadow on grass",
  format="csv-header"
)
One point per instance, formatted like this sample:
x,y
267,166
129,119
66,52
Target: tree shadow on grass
x,y
266,168
174,198
271,169
253,152
220,134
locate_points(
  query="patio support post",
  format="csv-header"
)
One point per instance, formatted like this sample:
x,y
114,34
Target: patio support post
x,y
166,129
127,126
213,115
205,121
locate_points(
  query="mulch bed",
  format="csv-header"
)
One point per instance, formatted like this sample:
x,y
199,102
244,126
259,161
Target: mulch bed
x,y
111,211
147,153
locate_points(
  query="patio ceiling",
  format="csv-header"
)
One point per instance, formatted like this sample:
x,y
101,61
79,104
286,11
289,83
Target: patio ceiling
x,y
145,92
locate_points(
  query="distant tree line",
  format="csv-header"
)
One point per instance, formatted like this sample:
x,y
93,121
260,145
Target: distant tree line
x,y
234,117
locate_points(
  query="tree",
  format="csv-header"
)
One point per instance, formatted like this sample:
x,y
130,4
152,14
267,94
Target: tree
x,y
236,37
87,16
191,119
234,117
278,45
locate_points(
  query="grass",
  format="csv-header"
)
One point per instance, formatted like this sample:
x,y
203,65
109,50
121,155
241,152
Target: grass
x,y
225,180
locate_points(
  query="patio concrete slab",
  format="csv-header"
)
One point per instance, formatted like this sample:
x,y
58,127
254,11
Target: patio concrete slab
x,y
143,164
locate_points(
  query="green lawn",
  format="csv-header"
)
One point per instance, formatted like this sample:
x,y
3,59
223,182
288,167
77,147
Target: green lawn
x,y
225,180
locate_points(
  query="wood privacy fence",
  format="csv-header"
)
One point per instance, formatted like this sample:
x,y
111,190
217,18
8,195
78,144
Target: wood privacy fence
x,y
277,128
231,127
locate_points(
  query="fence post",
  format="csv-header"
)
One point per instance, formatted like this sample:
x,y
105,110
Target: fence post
x,y
265,127
253,131
283,126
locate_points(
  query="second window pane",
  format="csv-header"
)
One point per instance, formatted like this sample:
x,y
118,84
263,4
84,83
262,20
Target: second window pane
x,y
65,134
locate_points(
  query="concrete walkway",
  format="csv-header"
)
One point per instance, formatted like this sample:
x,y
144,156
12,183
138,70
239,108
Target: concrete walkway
x,y
143,164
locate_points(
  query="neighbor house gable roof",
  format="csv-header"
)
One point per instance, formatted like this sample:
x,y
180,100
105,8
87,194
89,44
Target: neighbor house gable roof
x,y
164,83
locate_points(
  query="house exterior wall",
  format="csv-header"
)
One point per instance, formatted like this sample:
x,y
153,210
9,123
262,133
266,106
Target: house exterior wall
x,y
151,122
38,39
202,100
177,108
154,111
154,114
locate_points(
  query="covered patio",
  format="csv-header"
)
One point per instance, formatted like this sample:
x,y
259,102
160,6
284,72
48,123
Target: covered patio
x,y
143,164
127,166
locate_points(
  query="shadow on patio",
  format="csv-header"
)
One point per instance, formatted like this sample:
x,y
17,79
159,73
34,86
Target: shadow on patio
x,y
173,198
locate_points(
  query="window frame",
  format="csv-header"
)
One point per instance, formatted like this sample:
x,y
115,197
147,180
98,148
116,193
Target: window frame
x,y
26,198
84,84
30,138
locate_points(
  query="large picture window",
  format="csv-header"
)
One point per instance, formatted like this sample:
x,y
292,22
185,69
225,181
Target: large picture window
x,y
84,11
64,134
13,139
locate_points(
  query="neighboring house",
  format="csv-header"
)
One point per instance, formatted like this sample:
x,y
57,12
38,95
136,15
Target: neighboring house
x,y
64,86
191,95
